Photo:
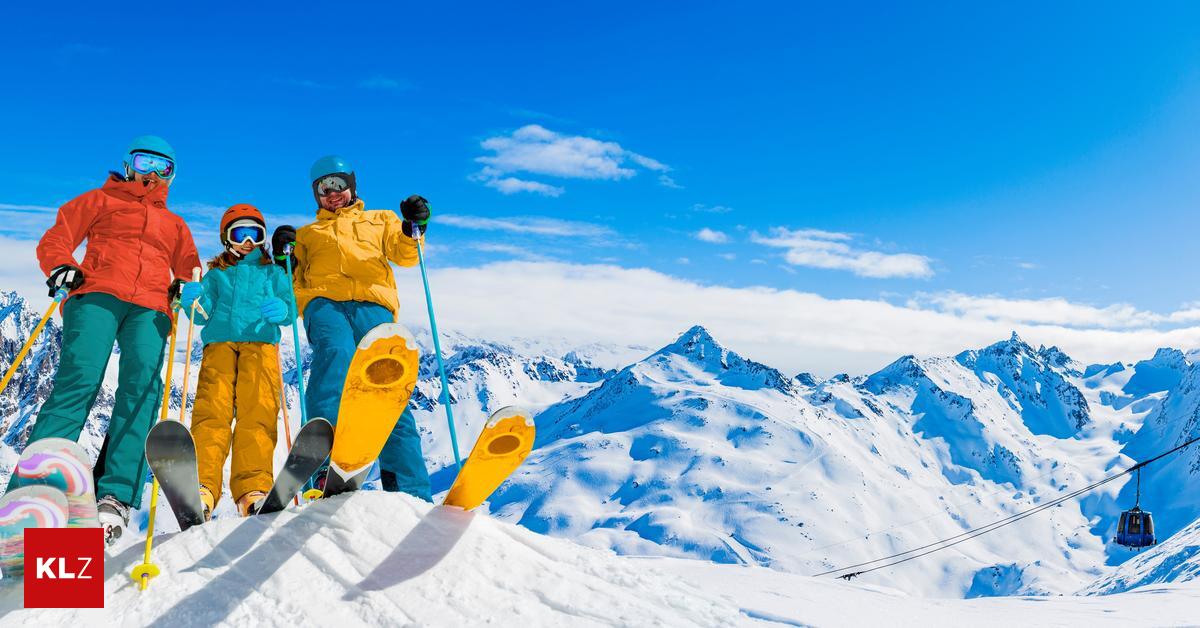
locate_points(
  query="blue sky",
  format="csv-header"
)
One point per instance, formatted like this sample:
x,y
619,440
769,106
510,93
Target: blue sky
x,y
972,161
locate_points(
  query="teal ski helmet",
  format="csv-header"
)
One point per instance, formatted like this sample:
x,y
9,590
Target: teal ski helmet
x,y
333,166
149,144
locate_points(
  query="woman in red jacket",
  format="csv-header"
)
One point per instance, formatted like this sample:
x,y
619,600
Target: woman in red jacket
x,y
118,293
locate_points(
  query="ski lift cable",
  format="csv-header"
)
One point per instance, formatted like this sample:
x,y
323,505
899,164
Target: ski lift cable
x,y
976,533
970,534
984,528
958,505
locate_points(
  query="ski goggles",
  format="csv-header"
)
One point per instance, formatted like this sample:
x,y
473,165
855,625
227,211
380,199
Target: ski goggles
x,y
239,231
331,183
145,163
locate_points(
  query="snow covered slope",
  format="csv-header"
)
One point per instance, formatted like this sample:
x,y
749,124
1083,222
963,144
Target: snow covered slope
x,y
427,566
1175,560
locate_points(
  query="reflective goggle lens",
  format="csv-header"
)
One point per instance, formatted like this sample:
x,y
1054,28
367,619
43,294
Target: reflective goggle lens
x,y
145,163
254,233
332,183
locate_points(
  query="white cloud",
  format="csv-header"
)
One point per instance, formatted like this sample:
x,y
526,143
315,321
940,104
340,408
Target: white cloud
x,y
683,260
512,185
711,235
528,225
668,182
729,257
512,250
1049,311
537,150
815,248
788,329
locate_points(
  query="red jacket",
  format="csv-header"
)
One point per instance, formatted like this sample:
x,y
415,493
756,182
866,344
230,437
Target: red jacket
x,y
134,243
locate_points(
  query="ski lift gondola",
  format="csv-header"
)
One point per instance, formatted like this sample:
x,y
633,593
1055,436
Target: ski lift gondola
x,y
1136,527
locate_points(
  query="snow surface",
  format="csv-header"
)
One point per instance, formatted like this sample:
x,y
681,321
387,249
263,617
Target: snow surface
x,y
433,566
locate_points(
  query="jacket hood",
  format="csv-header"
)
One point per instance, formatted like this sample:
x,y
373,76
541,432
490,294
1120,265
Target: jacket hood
x,y
132,190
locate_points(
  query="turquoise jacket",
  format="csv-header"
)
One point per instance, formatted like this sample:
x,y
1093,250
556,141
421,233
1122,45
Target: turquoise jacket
x,y
233,297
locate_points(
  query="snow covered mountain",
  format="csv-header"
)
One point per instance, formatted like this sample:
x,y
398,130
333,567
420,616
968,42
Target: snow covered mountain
x,y
694,451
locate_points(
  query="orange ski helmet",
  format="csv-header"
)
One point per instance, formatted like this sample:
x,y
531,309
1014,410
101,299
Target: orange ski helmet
x,y
240,218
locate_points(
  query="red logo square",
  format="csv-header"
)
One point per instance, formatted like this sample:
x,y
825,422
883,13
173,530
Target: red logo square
x,y
64,568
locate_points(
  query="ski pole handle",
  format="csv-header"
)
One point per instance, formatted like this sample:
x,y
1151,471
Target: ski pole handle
x,y
196,307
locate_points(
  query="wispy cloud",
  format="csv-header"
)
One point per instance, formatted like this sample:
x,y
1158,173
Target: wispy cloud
x,y
513,185
667,182
536,150
815,248
512,250
528,225
384,83
711,209
25,221
1052,311
1048,311
711,235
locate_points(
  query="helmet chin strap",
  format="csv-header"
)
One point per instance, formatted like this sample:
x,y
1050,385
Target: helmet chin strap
x,y
232,248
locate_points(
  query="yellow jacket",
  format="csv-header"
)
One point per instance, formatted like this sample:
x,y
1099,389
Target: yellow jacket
x,y
344,255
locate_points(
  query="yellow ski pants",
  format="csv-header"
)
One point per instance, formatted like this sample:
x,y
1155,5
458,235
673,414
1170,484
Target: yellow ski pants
x,y
237,399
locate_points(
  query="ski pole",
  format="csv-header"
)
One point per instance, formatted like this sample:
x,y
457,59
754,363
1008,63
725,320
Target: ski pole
x,y
187,363
147,570
296,338
287,430
12,368
437,345
287,256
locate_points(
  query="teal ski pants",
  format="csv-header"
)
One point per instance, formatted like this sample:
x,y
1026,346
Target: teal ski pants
x,y
334,329
92,322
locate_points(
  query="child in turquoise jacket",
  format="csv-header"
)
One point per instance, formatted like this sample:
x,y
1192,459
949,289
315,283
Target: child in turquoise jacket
x,y
246,299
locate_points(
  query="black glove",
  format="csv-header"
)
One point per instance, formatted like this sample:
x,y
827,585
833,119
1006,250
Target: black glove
x,y
415,210
173,292
66,277
283,241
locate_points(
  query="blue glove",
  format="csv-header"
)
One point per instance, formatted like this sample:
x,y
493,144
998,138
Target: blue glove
x,y
190,291
274,310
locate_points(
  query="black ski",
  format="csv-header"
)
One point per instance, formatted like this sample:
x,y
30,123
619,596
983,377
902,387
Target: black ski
x,y
309,452
335,484
172,457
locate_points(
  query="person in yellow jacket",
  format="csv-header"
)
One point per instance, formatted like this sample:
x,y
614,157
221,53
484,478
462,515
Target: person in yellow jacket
x,y
345,287
243,300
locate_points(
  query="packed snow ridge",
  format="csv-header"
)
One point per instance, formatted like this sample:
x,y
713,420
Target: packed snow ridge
x,y
381,559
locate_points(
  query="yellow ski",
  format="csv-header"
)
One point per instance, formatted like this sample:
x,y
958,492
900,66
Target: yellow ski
x,y
380,381
504,444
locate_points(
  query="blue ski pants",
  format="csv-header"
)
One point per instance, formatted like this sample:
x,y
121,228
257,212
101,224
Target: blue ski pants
x,y
334,329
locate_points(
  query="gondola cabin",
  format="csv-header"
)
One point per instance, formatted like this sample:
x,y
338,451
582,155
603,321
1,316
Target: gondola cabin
x,y
1136,529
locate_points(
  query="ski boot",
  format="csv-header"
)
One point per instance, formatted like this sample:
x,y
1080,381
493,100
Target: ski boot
x,y
206,498
114,518
248,504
